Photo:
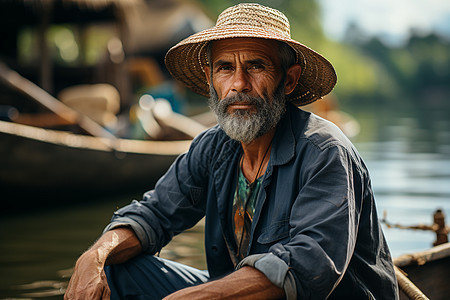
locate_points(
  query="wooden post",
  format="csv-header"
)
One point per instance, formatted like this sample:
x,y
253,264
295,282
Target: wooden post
x,y
442,230
46,65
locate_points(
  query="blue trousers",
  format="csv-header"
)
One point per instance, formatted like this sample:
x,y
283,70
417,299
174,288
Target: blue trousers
x,y
151,278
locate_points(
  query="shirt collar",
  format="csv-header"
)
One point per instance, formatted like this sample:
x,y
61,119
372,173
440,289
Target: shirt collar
x,y
283,149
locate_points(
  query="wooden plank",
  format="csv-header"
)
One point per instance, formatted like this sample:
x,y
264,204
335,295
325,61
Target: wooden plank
x,y
420,258
27,87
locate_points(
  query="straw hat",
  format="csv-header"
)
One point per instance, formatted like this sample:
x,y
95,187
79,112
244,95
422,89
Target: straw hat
x,y
185,61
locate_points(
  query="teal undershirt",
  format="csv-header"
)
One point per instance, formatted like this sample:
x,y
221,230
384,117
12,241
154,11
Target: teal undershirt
x,y
244,204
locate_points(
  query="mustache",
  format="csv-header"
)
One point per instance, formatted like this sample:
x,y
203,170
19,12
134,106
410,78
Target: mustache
x,y
246,125
239,98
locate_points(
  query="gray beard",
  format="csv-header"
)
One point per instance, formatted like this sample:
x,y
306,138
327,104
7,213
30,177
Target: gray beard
x,y
244,125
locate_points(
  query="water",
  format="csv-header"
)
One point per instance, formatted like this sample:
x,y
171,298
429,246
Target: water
x,y
409,161
38,250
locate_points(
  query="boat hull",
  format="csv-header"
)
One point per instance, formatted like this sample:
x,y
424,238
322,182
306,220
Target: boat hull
x,y
38,162
429,271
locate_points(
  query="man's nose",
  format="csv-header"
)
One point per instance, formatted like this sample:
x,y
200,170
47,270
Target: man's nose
x,y
241,82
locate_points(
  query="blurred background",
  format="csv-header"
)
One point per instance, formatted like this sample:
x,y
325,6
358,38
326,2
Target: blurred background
x,y
62,60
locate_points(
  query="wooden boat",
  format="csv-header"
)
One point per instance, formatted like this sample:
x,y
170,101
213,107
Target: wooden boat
x,y
49,162
426,274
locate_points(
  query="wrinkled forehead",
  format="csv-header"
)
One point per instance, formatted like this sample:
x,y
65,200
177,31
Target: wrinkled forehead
x,y
245,47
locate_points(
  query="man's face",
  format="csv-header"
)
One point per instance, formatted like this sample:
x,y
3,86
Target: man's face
x,y
245,65
247,90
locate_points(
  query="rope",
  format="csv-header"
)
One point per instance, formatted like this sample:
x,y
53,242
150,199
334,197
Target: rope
x,y
409,288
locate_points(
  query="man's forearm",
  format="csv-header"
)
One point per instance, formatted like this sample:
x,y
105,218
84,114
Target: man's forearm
x,y
116,246
88,280
246,283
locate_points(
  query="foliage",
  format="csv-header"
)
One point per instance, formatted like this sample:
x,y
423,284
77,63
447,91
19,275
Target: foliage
x,y
418,72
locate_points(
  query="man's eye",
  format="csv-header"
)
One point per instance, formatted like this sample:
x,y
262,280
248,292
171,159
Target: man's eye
x,y
225,68
256,67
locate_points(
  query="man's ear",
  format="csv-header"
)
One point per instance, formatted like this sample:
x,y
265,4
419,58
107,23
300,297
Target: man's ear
x,y
206,70
292,77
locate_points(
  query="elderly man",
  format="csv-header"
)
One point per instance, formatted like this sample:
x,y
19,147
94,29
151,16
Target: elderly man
x,y
288,202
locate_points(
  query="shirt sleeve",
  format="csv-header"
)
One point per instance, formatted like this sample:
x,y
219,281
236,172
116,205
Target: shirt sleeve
x,y
275,269
323,222
175,204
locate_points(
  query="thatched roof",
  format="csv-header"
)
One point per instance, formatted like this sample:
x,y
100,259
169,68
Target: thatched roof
x,y
147,23
144,27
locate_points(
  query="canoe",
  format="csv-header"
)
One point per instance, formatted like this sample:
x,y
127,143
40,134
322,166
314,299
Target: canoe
x,y
44,163
425,274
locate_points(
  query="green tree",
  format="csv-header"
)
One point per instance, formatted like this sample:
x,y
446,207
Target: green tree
x,y
417,72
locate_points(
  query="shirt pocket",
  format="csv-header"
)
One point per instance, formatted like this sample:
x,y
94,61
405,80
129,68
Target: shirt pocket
x,y
275,232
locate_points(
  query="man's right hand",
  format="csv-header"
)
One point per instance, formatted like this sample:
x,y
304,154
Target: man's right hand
x,y
88,280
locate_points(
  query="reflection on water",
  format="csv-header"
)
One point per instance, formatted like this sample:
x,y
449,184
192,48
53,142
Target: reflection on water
x,y
38,250
409,163
409,191
37,247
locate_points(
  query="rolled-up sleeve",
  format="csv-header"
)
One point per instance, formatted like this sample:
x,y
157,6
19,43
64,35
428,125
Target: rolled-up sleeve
x,y
275,269
145,234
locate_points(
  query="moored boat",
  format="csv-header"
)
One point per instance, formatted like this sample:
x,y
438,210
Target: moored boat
x,y
43,163
428,273
425,274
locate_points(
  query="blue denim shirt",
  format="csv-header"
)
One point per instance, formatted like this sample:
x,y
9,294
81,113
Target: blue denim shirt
x,y
315,231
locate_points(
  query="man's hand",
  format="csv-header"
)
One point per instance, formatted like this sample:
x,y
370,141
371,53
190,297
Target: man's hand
x,y
88,280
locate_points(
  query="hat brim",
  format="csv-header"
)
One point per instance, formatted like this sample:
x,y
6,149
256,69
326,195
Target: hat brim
x,y
186,60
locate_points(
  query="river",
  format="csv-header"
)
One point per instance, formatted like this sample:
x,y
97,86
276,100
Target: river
x,y
408,157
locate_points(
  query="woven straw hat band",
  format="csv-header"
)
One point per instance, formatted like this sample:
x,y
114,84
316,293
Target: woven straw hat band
x,y
254,15
185,61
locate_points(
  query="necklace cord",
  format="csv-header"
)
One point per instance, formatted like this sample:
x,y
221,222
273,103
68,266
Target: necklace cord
x,y
260,165
250,186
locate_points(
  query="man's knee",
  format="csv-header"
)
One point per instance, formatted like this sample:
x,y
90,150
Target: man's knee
x,y
150,277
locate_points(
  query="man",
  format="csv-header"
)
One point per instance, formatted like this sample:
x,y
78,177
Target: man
x,y
288,203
